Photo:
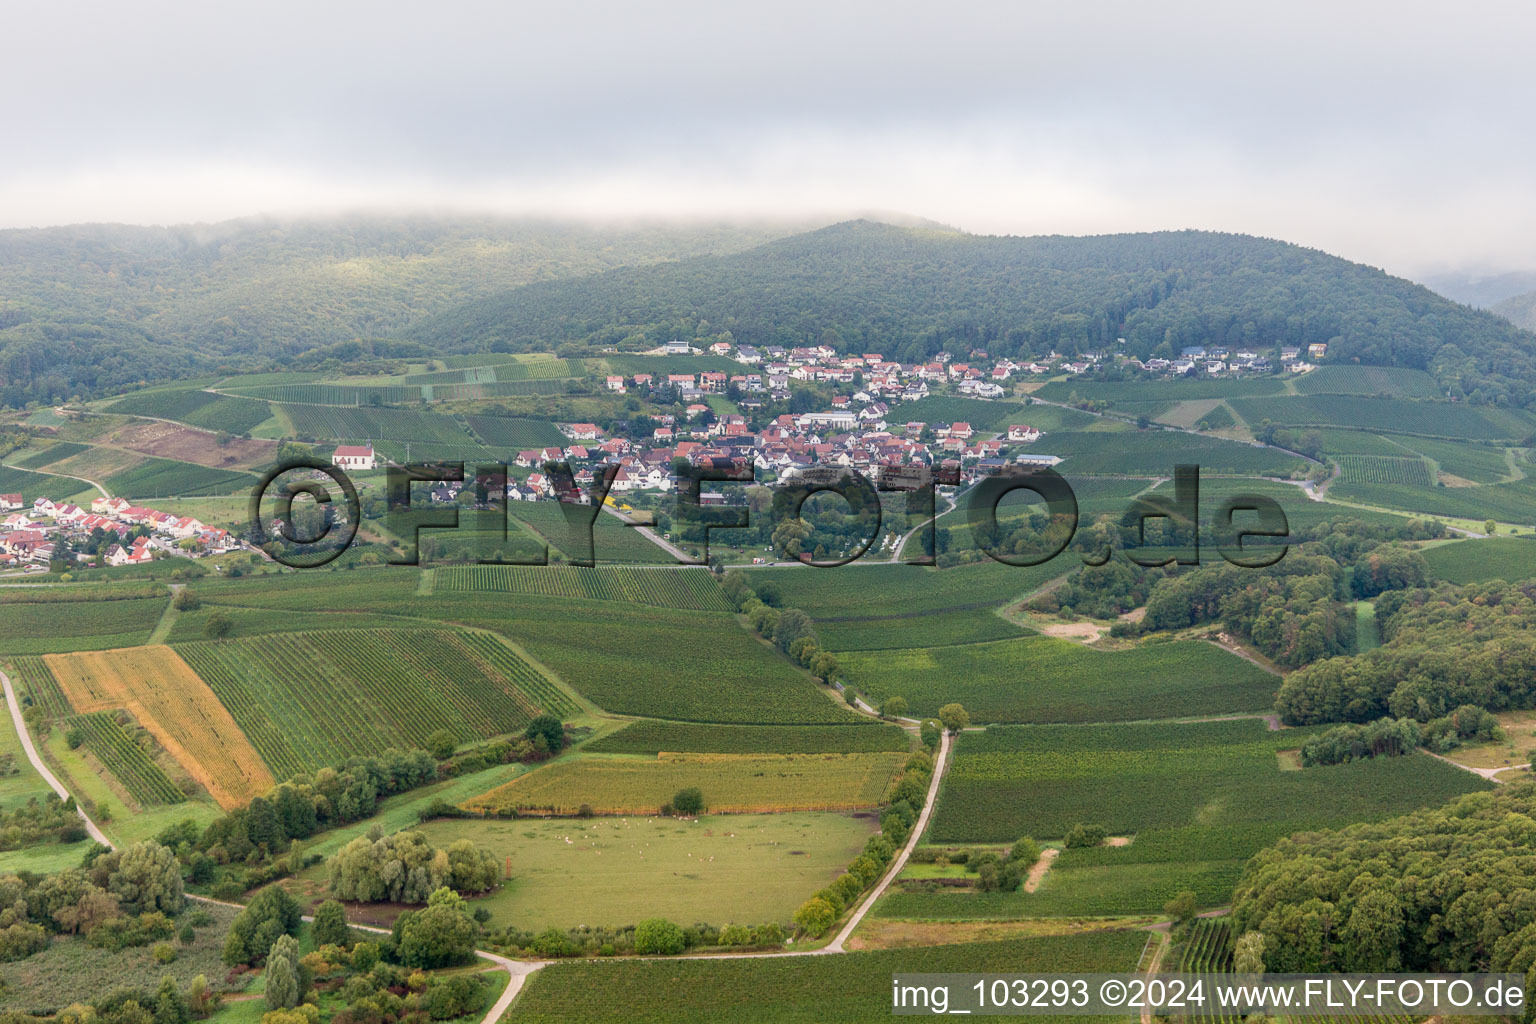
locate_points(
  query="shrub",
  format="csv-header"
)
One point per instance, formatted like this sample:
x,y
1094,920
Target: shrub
x,y
688,801
164,953
657,935
1082,835
815,916
1025,853
441,744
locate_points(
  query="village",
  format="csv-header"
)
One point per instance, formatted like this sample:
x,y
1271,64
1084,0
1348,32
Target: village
x,y
112,532
862,429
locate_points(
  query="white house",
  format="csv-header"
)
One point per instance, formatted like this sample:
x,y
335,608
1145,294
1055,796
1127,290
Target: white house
x,y
352,456
1023,432
10,502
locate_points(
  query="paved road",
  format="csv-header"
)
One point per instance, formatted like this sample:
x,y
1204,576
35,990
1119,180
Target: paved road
x,y
521,970
836,945
37,762
651,535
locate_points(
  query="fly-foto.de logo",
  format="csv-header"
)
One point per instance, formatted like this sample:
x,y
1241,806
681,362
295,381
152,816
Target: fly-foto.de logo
x,y
1153,530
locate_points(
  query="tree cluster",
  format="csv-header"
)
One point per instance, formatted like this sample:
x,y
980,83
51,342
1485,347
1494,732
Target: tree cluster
x,y
1445,647
1444,889
406,868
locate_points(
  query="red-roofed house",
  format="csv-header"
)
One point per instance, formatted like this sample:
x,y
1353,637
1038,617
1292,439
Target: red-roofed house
x,y
353,456
10,502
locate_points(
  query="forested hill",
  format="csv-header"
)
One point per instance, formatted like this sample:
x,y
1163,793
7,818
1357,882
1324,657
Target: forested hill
x,y
908,293
89,309
1520,310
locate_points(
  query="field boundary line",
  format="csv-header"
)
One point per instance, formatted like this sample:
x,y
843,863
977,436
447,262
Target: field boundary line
x,y
37,762
942,762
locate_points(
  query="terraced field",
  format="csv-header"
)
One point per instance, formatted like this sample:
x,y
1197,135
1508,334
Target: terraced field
x,y
1157,776
343,423
37,687
1197,800
665,588
308,700
340,395
1479,560
731,783
127,762
51,454
1148,390
32,486
981,414
611,540
1156,452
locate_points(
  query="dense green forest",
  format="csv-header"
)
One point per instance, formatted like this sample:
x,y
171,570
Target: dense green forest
x,y
1442,889
89,310
909,293
1444,647
92,309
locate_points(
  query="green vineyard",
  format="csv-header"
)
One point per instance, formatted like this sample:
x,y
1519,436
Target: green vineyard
x,y
38,684
508,432
339,423
199,408
1208,950
168,478
666,588
1385,469
1395,381
308,700
333,394
111,744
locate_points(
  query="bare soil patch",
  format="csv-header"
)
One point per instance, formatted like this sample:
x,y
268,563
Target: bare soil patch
x,y
171,441
1037,873
1088,632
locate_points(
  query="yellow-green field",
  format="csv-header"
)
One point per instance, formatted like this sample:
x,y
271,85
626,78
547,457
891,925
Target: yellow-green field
x,y
749,869
731,783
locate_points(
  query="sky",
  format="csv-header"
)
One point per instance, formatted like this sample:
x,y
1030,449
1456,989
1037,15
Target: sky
x,y
1396,133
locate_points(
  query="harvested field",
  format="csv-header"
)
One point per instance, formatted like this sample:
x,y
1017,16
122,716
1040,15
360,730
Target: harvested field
x,y
170,441
177,707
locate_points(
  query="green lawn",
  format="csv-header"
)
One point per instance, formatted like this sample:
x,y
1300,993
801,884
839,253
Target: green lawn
x,y
617,871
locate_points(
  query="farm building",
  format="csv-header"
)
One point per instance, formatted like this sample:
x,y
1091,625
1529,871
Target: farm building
x,y
352,456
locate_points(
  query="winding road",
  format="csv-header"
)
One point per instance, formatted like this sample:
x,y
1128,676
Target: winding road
x,y
519,971
37,762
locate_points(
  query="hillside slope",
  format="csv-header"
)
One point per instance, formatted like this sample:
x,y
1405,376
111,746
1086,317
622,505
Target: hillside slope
x,y
908,293
1520,310
88,309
